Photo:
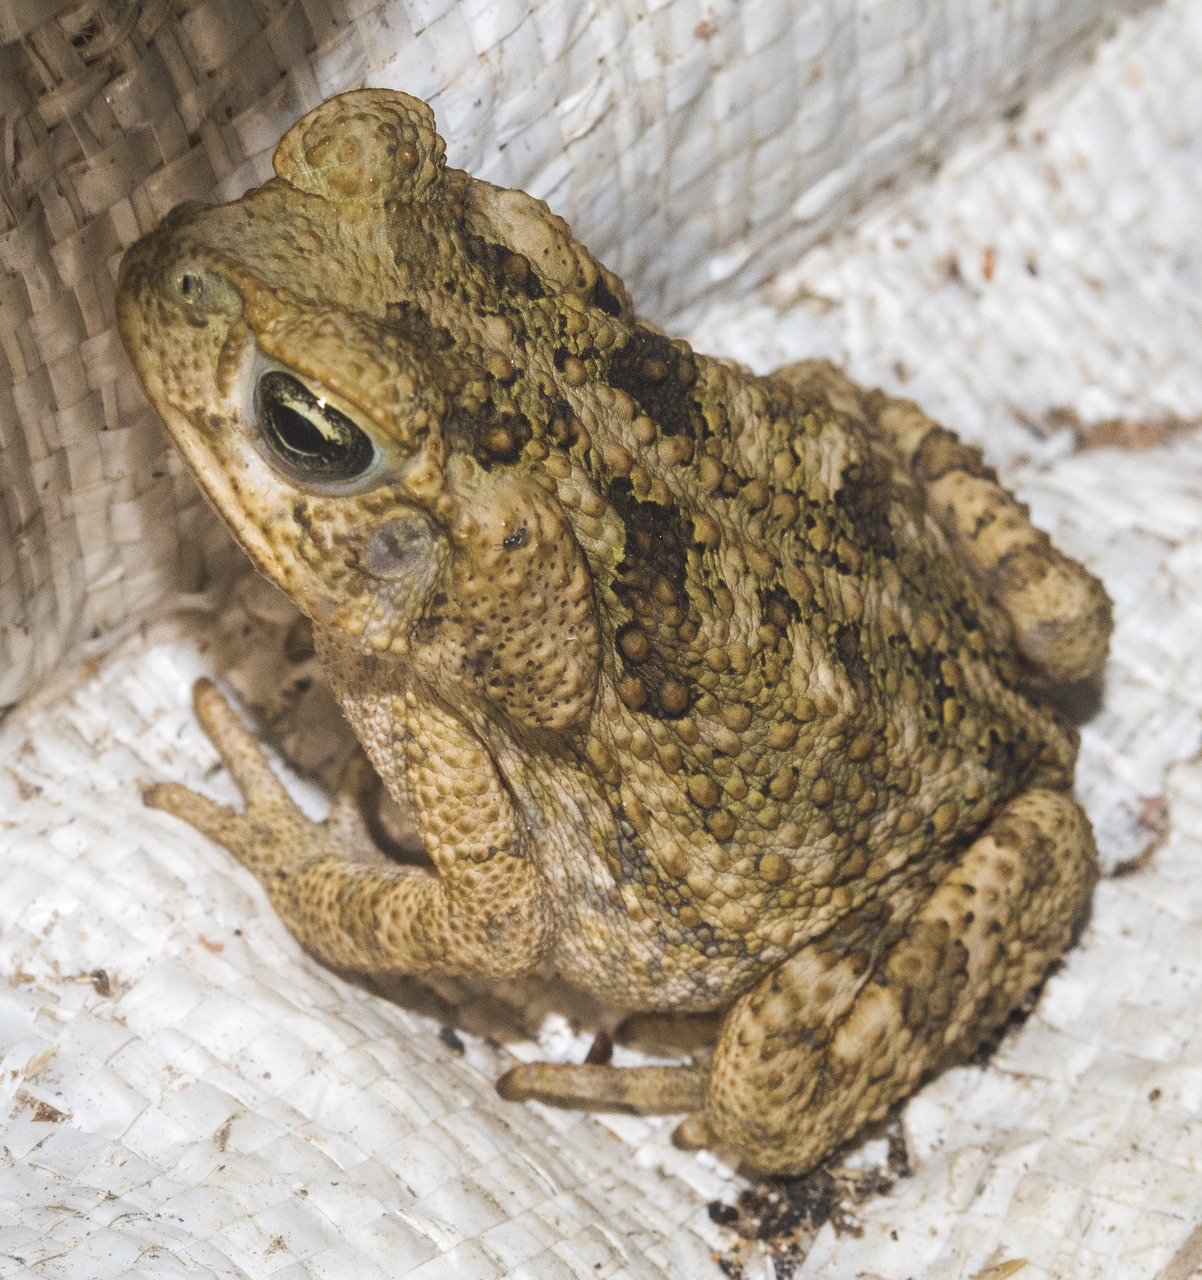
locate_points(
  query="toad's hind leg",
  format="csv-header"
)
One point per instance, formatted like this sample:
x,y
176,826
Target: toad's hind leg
x,y
1060,612
832,1039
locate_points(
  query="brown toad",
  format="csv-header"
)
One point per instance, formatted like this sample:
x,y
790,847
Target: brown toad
x,y
713,692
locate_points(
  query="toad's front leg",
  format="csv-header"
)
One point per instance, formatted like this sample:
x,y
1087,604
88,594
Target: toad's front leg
x,y
483,910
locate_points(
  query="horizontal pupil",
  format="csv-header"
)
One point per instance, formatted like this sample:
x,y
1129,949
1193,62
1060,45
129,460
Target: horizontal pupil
x,y
308,436
300,434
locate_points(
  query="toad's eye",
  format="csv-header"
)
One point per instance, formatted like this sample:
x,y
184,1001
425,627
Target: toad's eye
x,y
309,440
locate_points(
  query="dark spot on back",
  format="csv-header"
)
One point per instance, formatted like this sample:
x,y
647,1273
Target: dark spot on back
x,y
563,428
411,323
492,436
650,581
863,496
603,298
851,654
657,540
510,270
778,607
659,377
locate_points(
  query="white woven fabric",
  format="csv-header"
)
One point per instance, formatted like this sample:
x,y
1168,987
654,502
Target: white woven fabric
x,y
215,1104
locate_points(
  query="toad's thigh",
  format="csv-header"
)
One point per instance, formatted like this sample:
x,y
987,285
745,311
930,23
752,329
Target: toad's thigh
x,y
1060,612
832,1039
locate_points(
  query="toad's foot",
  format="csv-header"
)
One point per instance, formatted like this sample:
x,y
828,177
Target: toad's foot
x,y
641,1090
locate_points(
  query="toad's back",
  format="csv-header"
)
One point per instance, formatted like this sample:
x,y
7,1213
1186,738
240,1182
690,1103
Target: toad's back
x,y
808,700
